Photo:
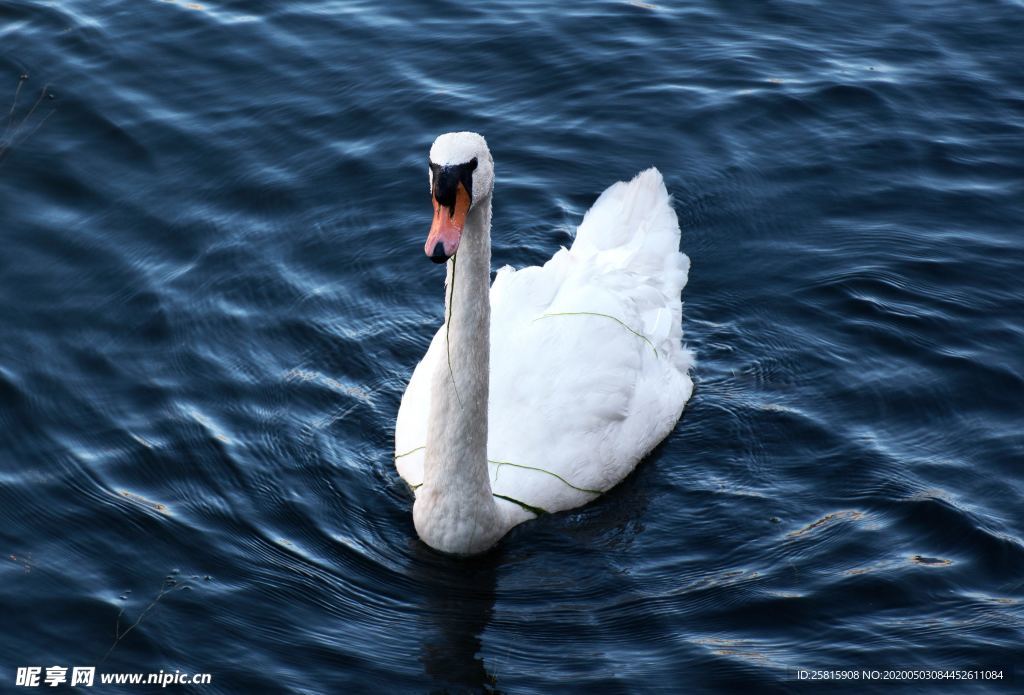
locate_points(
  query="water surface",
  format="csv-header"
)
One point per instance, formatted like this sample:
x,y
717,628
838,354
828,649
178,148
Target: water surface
x,y
213,291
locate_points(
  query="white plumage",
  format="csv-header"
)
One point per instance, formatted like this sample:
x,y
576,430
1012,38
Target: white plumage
x,y
587,368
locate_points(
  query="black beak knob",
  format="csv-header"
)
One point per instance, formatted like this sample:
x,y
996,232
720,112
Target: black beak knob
x,y
438,255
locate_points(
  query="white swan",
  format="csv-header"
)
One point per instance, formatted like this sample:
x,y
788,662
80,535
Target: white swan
x,y
545,390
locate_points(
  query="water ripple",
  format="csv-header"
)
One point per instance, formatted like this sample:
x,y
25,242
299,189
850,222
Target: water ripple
x,y
214,293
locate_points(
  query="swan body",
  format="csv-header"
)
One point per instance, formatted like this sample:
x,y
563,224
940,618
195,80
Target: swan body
x,y
545,389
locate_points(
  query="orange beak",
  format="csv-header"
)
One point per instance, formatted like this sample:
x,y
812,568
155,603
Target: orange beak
x,y
446,229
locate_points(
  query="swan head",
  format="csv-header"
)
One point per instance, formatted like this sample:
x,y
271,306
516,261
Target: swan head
x,y
461,176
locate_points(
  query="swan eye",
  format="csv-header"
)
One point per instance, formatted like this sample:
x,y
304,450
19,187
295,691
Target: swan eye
x,y
445,182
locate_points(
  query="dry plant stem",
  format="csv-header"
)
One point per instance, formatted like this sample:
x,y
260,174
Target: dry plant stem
x,y
499,464
641,336
448,329
166,588
7,144
10,114
31,111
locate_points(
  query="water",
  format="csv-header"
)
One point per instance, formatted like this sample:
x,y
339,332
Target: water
x,y
213,290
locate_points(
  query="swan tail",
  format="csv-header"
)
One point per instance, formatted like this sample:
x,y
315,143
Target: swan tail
x,y
633,226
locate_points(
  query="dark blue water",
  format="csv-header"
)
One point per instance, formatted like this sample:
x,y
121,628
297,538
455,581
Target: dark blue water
x,y
213,290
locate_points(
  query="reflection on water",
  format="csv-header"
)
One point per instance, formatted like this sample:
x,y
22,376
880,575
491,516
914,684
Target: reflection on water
x,y
459,597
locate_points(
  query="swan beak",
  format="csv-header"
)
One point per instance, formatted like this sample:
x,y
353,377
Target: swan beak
x,y
446,229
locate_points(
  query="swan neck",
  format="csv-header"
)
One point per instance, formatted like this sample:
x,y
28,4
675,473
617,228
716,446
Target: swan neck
x,y
454,509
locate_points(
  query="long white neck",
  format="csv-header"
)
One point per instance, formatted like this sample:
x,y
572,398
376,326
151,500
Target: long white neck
x,y
454,510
